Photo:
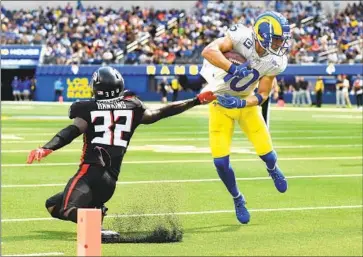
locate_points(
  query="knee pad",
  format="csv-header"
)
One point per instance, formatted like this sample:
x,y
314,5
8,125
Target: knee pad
x,y
270,159
55,213
222,164
49,203
69,214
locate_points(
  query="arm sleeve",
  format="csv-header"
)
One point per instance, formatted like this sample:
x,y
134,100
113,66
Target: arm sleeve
x,y
63,137
151,116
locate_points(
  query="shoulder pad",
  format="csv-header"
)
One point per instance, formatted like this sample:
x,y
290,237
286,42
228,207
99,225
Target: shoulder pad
x,y
238,33
128,93
80,109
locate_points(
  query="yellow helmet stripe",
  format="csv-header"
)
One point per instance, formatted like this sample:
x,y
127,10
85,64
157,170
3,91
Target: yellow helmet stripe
x,y
275,24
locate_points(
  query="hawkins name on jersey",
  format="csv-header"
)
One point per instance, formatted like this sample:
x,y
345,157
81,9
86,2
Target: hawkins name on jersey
x,y
244,43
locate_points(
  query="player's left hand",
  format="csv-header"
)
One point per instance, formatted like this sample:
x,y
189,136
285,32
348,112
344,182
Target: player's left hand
x,y
230,102
38,154
206,97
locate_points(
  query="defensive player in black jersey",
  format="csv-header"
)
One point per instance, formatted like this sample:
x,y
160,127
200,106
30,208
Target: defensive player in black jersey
x,y
107,123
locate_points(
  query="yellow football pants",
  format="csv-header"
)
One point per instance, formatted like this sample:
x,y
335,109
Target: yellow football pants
x,y
221,127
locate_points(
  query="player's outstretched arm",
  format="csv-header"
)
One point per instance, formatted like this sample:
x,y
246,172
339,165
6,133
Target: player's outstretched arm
x,y
151,116
62,138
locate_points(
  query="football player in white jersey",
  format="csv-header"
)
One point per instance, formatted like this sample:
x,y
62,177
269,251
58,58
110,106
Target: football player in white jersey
x,y
264,47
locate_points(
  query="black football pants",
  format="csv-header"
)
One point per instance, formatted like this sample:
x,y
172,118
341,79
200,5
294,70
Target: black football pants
x,y
90,187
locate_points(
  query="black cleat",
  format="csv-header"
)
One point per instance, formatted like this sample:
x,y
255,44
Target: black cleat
x,y
110,237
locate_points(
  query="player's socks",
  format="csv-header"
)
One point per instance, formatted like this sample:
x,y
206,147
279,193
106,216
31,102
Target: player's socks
x,y
226,174
276,174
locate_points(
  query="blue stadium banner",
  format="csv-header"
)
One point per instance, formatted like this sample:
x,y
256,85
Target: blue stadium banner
x,y
14,52
172,69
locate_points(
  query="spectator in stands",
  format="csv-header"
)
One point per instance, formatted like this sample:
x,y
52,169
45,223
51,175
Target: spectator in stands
x,y
58,90
15,84
345,90
175,86
86,35
340,100
278,92
33,88
319,90
295,89
358,90
304,91
21,89
26,88
163,88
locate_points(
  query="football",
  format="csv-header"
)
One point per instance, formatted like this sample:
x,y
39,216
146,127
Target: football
x,y
235,57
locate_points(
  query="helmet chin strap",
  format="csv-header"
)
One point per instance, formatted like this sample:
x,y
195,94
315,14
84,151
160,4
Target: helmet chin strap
x,y
265,52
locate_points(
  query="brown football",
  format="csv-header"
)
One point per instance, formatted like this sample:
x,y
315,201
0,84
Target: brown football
x,y
235,57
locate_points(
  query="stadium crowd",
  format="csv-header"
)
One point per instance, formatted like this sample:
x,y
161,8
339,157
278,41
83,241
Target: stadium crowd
x,y
95,35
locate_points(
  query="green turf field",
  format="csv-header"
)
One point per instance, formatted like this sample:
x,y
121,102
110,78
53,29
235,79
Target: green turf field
x,y
168,169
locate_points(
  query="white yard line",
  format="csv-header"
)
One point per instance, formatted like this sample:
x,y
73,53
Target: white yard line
x,y
149,148
323,158
156,104
200,212
337,116
37,254
167,132
154,127
192,180
195,139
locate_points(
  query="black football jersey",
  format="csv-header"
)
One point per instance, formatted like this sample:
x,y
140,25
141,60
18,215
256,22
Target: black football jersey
x,y
111,124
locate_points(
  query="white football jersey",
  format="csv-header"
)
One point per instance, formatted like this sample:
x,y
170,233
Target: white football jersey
x,y
243,43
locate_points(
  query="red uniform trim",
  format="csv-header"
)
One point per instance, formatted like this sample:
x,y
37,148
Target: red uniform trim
x,y
82,172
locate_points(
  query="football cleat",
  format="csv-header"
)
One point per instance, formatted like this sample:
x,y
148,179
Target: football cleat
x,y
279,179
109,237
104,210
242,213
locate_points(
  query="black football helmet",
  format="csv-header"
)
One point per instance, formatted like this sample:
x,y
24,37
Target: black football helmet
x,y
107,83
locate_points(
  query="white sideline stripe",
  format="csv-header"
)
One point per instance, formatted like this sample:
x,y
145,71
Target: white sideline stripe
x,y
199,212
156,128
190,161
155,104
140,132
191,139
37,254
191,180
138,148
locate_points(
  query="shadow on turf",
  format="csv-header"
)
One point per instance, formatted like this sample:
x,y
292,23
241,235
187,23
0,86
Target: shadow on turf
x,y
214,229
44,234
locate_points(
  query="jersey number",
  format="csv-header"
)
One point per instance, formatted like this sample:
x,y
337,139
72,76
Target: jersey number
x,y
235,80
111,118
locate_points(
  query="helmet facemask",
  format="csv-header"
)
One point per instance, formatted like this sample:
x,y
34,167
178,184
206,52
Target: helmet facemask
x,y
273,34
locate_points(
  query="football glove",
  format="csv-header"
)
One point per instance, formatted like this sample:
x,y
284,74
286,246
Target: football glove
x,y
239,71
230,102
38,154
206,97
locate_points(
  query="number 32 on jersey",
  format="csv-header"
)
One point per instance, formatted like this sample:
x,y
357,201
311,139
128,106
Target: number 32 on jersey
x,y
111,118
